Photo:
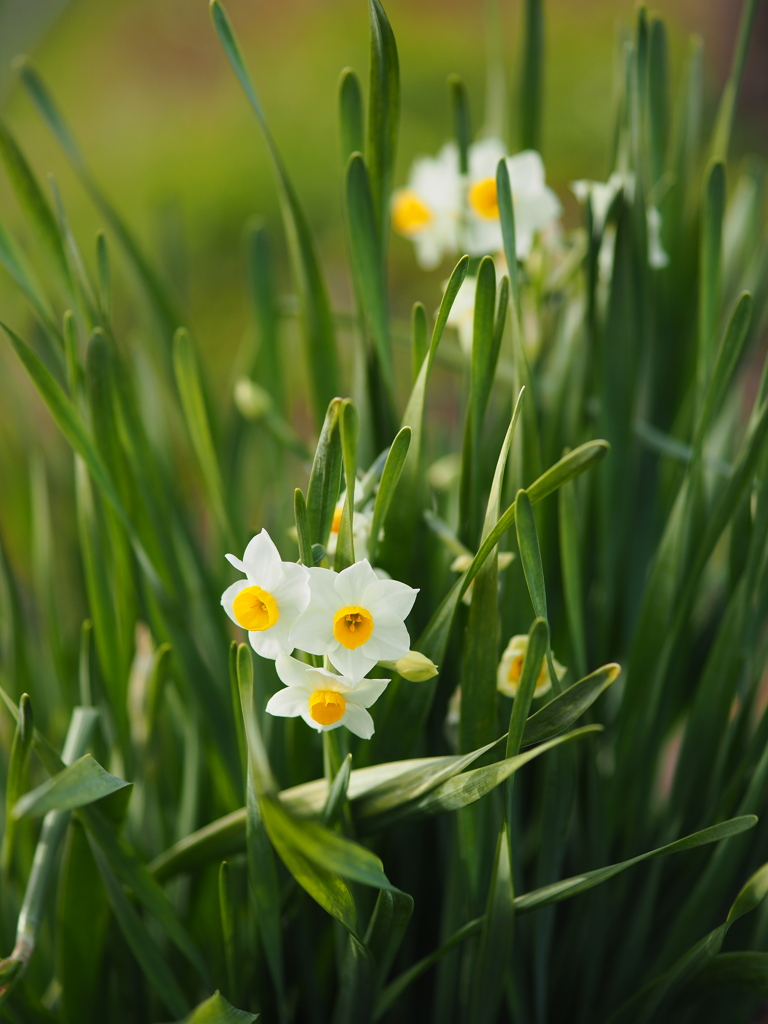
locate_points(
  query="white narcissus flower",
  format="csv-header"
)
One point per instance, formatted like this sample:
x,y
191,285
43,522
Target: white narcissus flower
x,y
427,209
602,194
354,618
270,599
324,700
511,668
536,205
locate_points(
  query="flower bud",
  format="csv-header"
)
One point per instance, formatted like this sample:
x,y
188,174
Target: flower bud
x,y
415,667
252,400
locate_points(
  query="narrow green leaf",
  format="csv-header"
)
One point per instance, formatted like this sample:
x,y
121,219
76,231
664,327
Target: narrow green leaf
x,y
721,135
530,553
325,476
383,113
367,264
386,929
710,272
470,786
82,919
532,76
351,114
390,476
316,314
139,939
507,220
226,913
217,1010
570,561
302,527
658,97
190,387
349,428
15,262
79,784
337,793
315,877
741,972
17,773
418,338
394,990
66,417
34,203
581,883
538,642
462,127
258,759
568,706
37,893
126,866
493,958
726,361
104,274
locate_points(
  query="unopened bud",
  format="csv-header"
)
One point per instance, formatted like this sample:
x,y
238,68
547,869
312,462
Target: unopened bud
x,y
251,399
415,667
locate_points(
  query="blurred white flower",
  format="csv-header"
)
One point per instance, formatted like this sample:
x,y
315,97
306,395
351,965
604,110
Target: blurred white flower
x,y
323,699
511,668
354,618
656,255
536,205
427,209
602,194
270,599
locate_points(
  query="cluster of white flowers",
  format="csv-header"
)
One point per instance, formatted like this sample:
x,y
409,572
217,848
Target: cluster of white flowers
x,y
602,194
352,617
444,212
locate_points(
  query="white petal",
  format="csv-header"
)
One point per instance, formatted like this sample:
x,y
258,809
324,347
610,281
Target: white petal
x,y
262,561
313,631
390,640
311,722
278,638
483,236
229,595
358,721
293,673
353,581
526,170
294,582
353,664
389,596
287,703
322,588
484,158
367,692
238,564
268,643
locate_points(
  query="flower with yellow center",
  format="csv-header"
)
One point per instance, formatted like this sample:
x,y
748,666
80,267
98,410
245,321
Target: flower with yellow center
x,y
324,700
427,209
270,598
511,668
355,618
536,205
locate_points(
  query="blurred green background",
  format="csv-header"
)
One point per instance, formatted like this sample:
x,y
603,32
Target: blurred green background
x,y
167,132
